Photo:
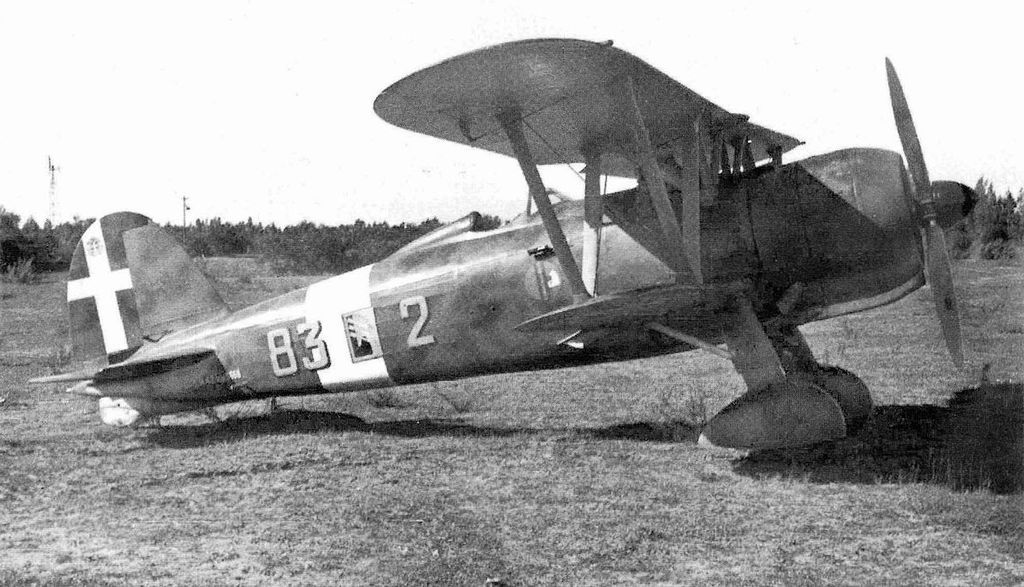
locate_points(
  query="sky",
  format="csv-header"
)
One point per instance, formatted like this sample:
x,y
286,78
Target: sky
x,y
265,110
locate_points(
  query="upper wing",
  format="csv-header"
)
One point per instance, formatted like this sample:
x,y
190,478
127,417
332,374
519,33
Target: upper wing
x,y
565,91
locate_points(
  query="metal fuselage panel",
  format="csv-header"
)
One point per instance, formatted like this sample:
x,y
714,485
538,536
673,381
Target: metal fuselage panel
x,y
477,288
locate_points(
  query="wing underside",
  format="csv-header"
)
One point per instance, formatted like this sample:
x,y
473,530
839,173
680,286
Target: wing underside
x,y
568,95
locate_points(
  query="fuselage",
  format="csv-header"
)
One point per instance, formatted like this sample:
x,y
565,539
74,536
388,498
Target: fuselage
x,y
828,235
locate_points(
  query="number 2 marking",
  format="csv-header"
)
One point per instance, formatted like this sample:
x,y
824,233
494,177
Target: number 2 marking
x,y
415,338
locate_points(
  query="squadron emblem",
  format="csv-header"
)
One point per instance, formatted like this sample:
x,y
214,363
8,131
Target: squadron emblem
x,y
93,247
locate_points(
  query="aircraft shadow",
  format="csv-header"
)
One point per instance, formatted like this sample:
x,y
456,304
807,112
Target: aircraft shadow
x,y
976,442
290,421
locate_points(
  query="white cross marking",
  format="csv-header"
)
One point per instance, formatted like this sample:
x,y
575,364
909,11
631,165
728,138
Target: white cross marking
x,y
102,284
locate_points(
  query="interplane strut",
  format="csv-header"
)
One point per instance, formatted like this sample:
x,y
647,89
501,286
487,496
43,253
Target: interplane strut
x,y
655,179
513,126
593,214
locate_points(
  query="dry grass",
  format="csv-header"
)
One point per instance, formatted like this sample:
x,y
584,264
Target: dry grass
x,y
583,476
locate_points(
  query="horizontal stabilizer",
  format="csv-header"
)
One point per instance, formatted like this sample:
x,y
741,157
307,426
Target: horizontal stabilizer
x,y
70,377
152,364
132,368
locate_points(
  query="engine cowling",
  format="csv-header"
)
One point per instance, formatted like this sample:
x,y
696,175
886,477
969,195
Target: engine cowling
x,y
842,225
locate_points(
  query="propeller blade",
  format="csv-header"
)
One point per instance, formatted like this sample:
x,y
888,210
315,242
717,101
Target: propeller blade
x,y
940,273
940,277
908,136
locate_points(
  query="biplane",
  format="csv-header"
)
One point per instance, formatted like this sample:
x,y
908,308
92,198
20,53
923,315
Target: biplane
x,y
720,246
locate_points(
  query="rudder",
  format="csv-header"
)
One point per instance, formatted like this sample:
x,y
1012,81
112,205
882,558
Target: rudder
x,y
130,282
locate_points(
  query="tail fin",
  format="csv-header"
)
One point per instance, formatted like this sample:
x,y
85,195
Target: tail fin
x,y
131,281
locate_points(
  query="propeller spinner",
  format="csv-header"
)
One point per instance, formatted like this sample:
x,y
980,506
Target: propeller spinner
x,y
940,274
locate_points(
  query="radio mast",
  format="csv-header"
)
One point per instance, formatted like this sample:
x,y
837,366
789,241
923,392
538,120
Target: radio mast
x,y
52,215
184,223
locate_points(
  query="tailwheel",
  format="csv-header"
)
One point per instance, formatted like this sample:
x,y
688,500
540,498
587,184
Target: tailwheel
x,y
793,412
850,393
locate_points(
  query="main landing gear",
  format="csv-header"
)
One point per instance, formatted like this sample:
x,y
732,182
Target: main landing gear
x,y
792,399
846,389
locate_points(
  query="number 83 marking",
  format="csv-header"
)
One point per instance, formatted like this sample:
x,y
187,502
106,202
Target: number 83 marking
x,y
282,356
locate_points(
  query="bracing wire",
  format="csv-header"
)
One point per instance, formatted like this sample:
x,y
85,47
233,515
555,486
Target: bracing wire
x,y
553,150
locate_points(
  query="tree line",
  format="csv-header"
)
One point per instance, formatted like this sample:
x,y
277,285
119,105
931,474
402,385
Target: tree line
x,y
306,247
994,230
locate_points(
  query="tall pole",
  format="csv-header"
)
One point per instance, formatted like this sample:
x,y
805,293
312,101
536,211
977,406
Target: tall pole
x,y
52,213
184,223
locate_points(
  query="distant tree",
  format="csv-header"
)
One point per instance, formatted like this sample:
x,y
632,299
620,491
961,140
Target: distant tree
x,y
489,222
993,230
9,222
31,228
12,243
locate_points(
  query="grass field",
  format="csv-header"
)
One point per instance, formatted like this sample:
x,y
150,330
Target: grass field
x,y
582,476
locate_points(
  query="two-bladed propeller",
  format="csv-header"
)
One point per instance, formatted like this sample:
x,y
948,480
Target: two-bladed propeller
x,y
940,274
